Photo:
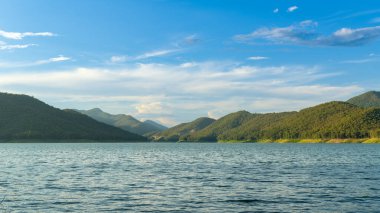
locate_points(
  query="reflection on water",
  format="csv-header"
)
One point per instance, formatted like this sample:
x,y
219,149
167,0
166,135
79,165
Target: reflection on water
x,y
190,177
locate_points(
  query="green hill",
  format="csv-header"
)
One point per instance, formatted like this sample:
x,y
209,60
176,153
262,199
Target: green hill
x,y
252,129
125,122
26,118
326,121
181,131
211,132
368,99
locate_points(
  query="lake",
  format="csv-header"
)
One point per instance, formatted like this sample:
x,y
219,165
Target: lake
x,y
186,177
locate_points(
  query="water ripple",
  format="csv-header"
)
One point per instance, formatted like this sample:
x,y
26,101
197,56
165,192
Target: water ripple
x,y
189,177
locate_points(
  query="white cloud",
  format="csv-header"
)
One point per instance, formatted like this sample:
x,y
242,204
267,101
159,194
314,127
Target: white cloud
x,y
14,64
152,54
156,53
304,33
276,10
149,108
119,58
177,93
4,46
59,58
167,121
19,36
188,65
292,9
258,58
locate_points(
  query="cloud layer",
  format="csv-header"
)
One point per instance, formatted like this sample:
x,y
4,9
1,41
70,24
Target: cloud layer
x,y
178,93
304,33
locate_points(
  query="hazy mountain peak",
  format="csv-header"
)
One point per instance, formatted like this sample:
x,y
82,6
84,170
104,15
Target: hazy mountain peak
x,y
368,99
126,122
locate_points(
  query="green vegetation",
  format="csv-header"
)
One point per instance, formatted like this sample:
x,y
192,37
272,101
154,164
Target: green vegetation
x,y
253,129
26,118
181,131
326,121
126,122
368,99
333,122
212,131
357,120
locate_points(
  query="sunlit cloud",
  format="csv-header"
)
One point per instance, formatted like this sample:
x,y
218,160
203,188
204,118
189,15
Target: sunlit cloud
x,y
19,36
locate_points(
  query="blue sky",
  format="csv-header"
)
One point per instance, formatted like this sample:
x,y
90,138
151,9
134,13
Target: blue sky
x,y
174,61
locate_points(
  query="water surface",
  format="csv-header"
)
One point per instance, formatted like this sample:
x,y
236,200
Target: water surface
x,y
146,177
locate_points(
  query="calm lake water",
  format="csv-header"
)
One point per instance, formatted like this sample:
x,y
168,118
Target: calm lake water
x,y
190,177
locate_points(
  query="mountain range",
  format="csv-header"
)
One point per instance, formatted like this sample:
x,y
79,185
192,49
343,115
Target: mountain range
x,y
357,119
23,117
125,122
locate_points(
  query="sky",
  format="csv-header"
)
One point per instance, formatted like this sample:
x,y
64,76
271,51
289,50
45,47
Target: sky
x,y
173,61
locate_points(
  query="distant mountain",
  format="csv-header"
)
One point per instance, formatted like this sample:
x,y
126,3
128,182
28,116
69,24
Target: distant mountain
x,y
212,131
368,99
24,117
181,131
332,120
159,127
126,122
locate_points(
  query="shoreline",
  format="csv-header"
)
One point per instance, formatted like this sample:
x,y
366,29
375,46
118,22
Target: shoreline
x,y
279,141
310,141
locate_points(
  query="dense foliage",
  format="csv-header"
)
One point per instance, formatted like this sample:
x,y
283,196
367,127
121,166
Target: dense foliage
x,y
368,99
211,132
126,122
24,117
325,121
331,120
181,131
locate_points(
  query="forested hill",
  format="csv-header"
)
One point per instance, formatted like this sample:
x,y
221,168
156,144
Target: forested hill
x,y
182,131
332,120
24,117
212,131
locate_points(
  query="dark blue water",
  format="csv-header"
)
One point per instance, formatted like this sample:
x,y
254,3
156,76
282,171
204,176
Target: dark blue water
x,y
147,177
